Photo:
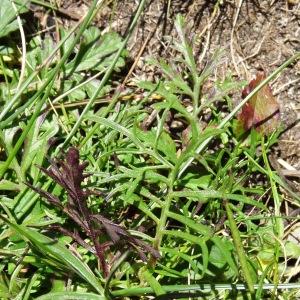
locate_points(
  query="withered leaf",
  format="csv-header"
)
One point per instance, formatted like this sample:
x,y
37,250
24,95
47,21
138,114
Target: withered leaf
x,y
262,110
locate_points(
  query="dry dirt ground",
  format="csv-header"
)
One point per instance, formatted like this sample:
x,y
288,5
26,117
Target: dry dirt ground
x,y
254,35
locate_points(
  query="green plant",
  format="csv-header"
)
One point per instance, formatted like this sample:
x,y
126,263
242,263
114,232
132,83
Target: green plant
x,y
182,184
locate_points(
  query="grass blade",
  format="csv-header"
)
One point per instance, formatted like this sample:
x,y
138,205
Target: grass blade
x,y
239,248
158,290
58,251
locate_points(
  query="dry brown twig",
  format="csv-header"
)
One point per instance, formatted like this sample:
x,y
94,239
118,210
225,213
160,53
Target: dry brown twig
x,y
239,5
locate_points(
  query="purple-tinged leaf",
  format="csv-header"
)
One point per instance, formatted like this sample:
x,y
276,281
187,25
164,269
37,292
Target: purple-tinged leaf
x,y
262,110
69,175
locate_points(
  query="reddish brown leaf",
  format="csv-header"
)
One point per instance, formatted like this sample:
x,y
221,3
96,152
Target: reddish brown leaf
x,y
262,109
68,173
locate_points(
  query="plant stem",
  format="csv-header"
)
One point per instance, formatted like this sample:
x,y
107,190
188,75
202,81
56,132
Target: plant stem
x,y
239,247
202,287
278,225
164,214
163,219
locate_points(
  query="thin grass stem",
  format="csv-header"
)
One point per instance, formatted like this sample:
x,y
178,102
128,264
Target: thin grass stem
x,y
239,248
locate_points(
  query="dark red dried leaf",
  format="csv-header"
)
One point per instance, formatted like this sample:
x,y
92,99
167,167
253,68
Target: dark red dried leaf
x,y
262,110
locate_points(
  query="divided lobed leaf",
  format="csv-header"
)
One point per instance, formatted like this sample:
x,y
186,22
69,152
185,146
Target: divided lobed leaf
x,y
68,173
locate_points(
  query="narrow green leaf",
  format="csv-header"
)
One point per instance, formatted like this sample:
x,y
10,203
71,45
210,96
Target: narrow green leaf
x,y
58,250
6,185
29,286
205,256
154,284
192,260
239,248
185,236
70,296
203,195
199,228
170,272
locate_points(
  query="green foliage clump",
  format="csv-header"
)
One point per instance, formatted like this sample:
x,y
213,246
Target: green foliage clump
x,y
167,178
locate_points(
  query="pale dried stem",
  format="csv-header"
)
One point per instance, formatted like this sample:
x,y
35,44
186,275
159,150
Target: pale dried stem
x,y
232,36
23,41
